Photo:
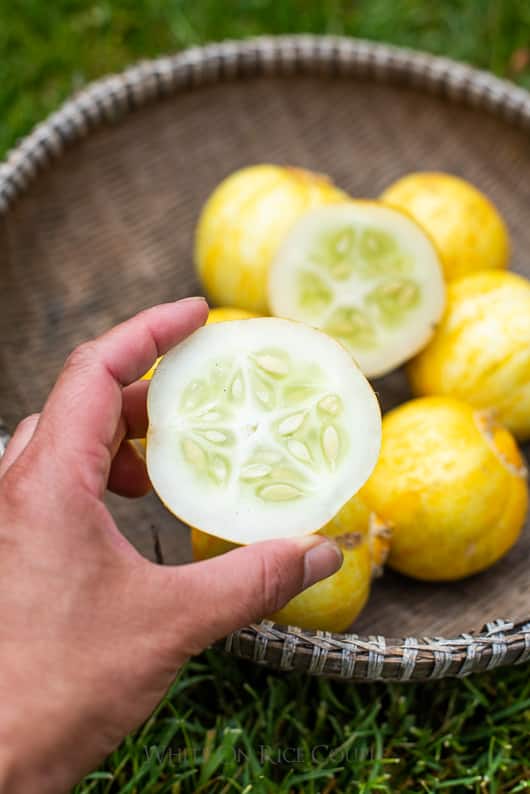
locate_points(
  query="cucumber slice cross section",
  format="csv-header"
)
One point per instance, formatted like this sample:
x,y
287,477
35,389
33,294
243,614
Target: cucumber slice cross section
x,y
260,428
367,275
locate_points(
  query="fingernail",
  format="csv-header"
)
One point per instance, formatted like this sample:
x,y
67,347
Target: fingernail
x,y
192,299
321,560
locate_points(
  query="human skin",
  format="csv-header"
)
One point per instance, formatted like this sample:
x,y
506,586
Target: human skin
x,y
91,633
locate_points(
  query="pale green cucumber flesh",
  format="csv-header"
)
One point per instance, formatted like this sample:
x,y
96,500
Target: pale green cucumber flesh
x,y
368,255
285,405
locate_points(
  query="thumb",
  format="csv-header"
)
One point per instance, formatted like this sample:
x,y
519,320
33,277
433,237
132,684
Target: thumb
x,y
220,595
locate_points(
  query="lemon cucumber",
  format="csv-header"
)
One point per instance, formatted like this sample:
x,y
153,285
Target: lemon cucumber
x,y
365,274
481,350
452,483
242,224
260,428
467,229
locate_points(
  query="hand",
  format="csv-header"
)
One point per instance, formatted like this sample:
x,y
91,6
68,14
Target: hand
x,y
91,633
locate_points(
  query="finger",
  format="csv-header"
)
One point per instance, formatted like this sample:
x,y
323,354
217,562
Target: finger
x,y
83,413
18,442
210,599
135,409
128,474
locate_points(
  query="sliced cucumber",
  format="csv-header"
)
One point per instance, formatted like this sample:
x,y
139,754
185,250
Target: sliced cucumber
x,y
367,275
260,428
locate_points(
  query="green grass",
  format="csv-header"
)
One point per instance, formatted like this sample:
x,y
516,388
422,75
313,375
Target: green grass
x,y
228,726
49,49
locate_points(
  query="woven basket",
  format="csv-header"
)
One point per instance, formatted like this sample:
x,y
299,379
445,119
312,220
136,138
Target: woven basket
x,y
97,210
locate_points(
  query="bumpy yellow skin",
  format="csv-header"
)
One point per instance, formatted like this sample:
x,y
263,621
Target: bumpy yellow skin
x,y
481,350
243,223
467,229
334,603
224,314
453,484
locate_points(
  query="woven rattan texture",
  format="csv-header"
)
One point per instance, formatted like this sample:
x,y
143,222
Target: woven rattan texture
x,y
96,222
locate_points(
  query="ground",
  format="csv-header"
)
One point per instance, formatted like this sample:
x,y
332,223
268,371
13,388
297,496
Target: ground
x,y
228,726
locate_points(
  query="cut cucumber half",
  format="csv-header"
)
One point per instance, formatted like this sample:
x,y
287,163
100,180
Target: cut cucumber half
x,y
367,275
260,429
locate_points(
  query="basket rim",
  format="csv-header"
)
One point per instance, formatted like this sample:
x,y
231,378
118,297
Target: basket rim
x,y
109,99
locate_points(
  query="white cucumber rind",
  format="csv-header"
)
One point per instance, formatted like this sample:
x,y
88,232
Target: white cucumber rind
x,y
357,282
287,447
